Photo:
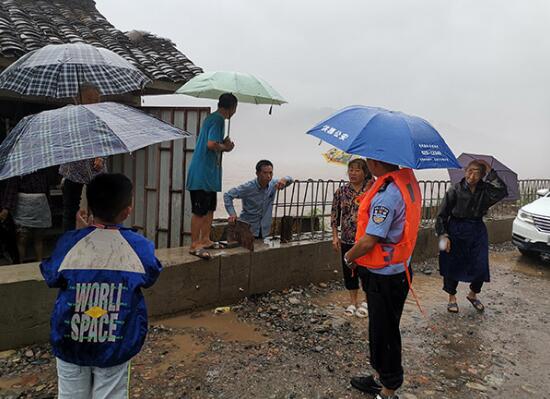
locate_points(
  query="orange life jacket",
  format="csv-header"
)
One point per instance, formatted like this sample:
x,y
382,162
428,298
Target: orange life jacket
x,y
400,252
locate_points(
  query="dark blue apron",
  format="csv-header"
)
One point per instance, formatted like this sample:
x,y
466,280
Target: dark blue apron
x,y
468,260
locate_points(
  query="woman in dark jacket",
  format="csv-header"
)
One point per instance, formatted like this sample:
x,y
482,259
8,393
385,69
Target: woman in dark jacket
x,y
463,237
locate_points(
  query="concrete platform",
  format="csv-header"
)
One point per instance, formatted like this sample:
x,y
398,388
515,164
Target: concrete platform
x,y
188,283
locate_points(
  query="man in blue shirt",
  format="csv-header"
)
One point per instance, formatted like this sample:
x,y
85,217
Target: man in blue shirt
x,y
204,179
257,197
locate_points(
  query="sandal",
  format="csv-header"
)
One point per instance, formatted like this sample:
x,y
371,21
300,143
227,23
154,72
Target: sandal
x,y
215,245
201,253
361,312
350,310
452,307
476,303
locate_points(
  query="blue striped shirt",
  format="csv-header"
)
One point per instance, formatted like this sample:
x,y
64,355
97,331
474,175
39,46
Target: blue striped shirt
x,y
257,204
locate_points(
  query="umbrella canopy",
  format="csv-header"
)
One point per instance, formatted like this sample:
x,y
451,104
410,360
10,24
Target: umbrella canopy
x,y
56,70
77,132
388,136
247,88
505,173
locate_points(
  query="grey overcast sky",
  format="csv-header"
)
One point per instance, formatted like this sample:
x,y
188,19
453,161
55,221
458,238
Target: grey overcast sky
x,y
478,70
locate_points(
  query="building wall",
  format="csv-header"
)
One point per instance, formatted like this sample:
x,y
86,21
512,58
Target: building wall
x,y
162,207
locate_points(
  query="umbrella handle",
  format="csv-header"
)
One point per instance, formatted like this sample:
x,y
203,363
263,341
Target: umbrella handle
x,y
228,127
79,98
228,133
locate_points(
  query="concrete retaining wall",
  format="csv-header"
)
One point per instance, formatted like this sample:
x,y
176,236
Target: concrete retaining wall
x,y
187,282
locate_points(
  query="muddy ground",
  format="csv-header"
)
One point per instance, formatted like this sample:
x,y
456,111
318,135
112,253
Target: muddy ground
x,y
298,344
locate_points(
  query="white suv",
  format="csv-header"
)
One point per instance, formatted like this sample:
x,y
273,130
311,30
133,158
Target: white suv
x,y
531,231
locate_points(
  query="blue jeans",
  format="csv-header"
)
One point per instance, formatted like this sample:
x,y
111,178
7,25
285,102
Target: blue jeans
x,y
81,382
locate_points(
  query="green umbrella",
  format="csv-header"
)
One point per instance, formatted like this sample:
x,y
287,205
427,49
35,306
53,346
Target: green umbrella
x,y
247,88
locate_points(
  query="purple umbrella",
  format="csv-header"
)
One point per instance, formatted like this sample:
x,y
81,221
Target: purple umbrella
x,y
505,173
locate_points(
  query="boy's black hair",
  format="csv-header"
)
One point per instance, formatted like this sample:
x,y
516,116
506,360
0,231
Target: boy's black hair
x,y
262,163
108,194
227,101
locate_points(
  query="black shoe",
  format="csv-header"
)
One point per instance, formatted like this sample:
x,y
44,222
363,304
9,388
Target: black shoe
x,y
366,384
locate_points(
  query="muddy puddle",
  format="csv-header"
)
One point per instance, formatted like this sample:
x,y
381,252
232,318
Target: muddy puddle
x,y
8,383
191,337
225,326
529,266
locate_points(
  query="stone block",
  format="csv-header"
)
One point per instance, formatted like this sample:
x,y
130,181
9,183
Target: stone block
x,y
185,283
282,267
234,275
27,304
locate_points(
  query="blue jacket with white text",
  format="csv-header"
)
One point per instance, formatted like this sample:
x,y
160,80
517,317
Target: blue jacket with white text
x,y
99,318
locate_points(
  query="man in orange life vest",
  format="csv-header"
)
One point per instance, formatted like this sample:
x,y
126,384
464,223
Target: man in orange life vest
x,y
387,228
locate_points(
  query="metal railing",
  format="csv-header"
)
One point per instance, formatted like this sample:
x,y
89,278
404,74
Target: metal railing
x,y
307,205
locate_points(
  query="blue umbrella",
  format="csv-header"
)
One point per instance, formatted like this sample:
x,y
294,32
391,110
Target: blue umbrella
x,y
78,132
387,136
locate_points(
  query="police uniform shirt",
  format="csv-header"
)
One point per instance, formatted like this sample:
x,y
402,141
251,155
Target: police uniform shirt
x,y
387,221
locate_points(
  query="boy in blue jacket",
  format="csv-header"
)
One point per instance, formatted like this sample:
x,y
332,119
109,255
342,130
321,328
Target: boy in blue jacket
x,y
99,321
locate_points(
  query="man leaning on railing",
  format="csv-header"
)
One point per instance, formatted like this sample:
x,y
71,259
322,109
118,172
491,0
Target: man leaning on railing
x,y
257,197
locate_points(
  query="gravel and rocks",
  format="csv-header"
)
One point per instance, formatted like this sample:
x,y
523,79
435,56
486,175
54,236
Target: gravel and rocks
x,y
298,343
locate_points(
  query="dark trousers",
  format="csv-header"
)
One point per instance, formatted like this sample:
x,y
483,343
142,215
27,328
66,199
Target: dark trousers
x,y
351,278
387,295
72,193
8,241
449,286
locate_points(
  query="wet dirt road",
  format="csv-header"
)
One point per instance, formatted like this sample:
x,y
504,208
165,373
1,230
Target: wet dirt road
x,y
298,344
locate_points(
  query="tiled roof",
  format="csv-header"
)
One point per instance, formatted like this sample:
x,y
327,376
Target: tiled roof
x,y
27,25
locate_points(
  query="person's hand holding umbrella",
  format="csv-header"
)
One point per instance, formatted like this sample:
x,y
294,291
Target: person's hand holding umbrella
x,y
486,164
229,144
98,164
83,219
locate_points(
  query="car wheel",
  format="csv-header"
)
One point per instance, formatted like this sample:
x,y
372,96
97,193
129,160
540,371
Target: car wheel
x,y
525,252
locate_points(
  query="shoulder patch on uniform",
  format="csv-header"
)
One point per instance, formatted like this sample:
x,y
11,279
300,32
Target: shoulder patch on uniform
x,y
379,214
385,185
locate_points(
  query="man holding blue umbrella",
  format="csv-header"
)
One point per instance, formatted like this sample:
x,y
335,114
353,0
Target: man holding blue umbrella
x,y
387,223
